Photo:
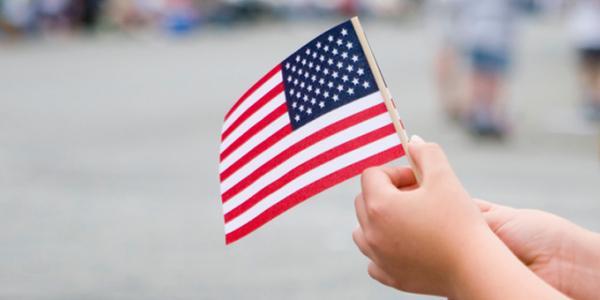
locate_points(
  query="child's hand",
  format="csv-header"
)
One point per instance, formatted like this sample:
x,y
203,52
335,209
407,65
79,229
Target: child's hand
x,y
563,254
417,236
432,238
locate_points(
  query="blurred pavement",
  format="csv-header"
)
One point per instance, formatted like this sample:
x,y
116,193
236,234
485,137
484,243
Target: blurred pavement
x,y
109,151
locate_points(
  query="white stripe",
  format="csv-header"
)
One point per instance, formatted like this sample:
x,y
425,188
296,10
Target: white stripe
x,y
256,139
312,176
299,134
253,98
299,158
253,119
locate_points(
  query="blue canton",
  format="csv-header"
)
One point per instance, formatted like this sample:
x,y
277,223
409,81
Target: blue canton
x,y
326,73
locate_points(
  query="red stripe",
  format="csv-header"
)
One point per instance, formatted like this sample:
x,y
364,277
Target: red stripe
x,y
299,146
279,111
309,165
253,89
313,189
252,109
276,137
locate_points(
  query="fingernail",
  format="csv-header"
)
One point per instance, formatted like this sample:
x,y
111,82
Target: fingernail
x,y
416,139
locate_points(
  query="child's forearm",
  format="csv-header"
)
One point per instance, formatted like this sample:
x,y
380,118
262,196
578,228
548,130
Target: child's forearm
x,y
491,271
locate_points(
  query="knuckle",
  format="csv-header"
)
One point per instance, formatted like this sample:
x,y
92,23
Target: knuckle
x,y
372,273
356,201
367,174
374,209
367,180
355,236
380,275
371,238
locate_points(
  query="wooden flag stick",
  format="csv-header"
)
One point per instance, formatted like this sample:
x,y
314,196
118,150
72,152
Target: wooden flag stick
x,y
387,97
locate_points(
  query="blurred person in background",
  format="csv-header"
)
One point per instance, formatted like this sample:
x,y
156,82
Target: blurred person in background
x,y
394,8
228,12
17,17
448,68
131,14
481,33
52,15
85,14
585,29
180,16
176,16
349,7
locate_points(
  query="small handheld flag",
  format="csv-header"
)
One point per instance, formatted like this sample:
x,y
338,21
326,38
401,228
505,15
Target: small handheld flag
x,y
320,117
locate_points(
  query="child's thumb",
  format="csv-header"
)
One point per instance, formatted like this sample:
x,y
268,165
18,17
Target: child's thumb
x,y
428,157
415,139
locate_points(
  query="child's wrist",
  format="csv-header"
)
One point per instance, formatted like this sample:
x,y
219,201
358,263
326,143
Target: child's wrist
x,y
489,270
581,255
470,261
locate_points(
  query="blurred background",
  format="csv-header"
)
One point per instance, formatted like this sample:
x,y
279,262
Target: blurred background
x,y
110,116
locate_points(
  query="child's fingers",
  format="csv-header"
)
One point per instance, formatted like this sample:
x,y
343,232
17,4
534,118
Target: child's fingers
x,y
498,216
495,215
359,239
361,212
401,177
429,158
380,275
380,179
484,206
494,220
375,180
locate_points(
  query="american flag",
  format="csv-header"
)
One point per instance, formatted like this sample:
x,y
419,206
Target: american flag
x,y
313,121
